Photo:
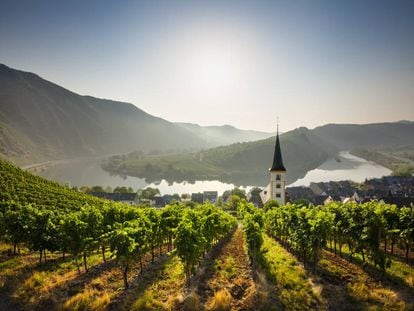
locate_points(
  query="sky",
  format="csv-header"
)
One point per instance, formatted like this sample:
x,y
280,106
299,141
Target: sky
x,y
233,62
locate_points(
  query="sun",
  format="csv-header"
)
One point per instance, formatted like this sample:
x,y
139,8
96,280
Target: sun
x,y
213,69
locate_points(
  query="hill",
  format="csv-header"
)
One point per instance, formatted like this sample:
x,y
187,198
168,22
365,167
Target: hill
x,y
40,120
371,136
43,120
241,163
225,134
247,163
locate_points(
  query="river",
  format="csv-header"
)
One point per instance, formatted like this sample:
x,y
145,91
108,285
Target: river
x,y
89,172
344,167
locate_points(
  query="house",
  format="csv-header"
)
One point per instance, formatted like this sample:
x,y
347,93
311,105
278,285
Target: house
x,y
328,200
210,196
129,198
298,193
399,201
317,188
197,197
158,201
168,198
319,199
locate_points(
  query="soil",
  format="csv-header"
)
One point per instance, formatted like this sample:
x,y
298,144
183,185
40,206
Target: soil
x,y
341,274
228,269
6,304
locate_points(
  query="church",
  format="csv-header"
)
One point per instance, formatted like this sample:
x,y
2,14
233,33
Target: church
x,y
275,190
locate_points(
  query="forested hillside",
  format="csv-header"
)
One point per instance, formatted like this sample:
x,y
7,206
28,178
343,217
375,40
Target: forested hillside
x,y
40,120
370,136
247,163
44,121
225,134
242,163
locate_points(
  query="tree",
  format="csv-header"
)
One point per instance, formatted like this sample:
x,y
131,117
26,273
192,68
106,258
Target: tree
x,y
43,232
232,202
189,241
241,193
170,218
17,221
155,231
123,246
85,189
91,216
185,196
74,231
123,190
407,229
97,189
148,193
271,204
254,236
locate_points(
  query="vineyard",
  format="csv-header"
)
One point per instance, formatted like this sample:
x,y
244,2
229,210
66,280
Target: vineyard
x,y
63,249
367,233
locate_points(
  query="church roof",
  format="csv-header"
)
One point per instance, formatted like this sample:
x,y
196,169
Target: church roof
x,y
277,157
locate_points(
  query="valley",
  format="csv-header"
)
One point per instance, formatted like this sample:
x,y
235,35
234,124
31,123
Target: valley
x,y
206,155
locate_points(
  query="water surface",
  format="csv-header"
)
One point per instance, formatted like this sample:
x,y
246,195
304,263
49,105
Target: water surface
x,y
344,167
89,172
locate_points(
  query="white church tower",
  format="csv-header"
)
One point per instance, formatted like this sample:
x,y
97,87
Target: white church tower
x,y
276,189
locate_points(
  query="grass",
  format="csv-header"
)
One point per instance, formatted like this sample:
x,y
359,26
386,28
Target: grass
x,y
90,299
162,290
191,302
402,271
225,279
225,268
399,272
47,282
221,300
148,302
293,286
348,286
55,283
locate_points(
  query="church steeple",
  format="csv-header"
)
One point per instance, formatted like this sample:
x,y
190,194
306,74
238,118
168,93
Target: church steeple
x,y
277,157
276,189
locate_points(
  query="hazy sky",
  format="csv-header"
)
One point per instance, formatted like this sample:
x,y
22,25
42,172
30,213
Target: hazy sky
x,y
224,62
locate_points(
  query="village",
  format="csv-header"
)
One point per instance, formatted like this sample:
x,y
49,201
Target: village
x,y
388,189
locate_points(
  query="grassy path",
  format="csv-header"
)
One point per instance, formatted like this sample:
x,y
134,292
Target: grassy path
x,y
226,279
56,284
290,282
161,287
338,285
346,286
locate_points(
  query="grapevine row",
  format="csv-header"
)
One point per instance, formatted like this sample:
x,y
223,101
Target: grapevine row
x,y
44,216
366,229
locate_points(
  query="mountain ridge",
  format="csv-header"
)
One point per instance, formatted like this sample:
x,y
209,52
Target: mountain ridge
x,y
41,120
246,163
224,134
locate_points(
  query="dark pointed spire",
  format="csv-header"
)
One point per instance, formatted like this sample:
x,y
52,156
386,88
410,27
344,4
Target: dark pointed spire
x,y
277,157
